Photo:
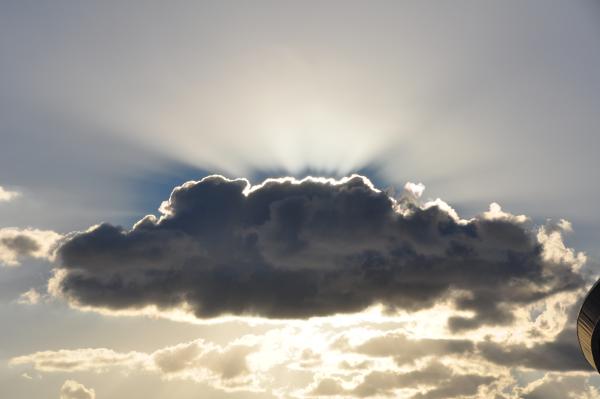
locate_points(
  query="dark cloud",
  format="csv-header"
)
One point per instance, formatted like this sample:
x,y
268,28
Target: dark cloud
x,y
291,249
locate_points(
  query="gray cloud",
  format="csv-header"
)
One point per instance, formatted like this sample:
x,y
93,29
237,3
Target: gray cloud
x,y
444,383
16,244
21,244
460,385
227,363
560,354
406,350
559,386
383,383
289,249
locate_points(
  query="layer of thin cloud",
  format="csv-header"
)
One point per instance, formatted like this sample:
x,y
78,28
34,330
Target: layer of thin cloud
x,y
87,359
223,367
324,361
6,195
72,389
17,244
315,247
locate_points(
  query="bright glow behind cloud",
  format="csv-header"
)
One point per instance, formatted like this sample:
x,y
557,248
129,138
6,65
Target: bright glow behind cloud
x,y
283,112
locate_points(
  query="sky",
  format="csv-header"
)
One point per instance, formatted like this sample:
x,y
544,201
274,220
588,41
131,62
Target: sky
x,y
277,199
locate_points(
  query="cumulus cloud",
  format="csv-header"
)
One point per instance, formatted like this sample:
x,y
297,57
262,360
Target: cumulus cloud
x,y
72,389
6,195
16,244
316,247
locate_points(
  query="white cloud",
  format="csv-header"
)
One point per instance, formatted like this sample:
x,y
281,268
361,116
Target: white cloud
x,y
496,213
72,389
27,376
555,250
86,359
30,297
6,195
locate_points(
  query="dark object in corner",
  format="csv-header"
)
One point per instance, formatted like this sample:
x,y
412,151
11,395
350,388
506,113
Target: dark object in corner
x,y
588,327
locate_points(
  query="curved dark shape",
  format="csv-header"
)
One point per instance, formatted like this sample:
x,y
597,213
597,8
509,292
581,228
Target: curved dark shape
x,y
588,331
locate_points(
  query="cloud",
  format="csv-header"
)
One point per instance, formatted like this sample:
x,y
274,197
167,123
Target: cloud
x,y
85,359
435,380
315,247
558,353
16,244
224,367
311,359
74,390
328,387
560,386
6,195
29,297
406,350
226,363
561,354
457,386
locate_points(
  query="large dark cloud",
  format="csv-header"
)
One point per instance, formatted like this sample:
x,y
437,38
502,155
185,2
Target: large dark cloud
x,y
300,249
